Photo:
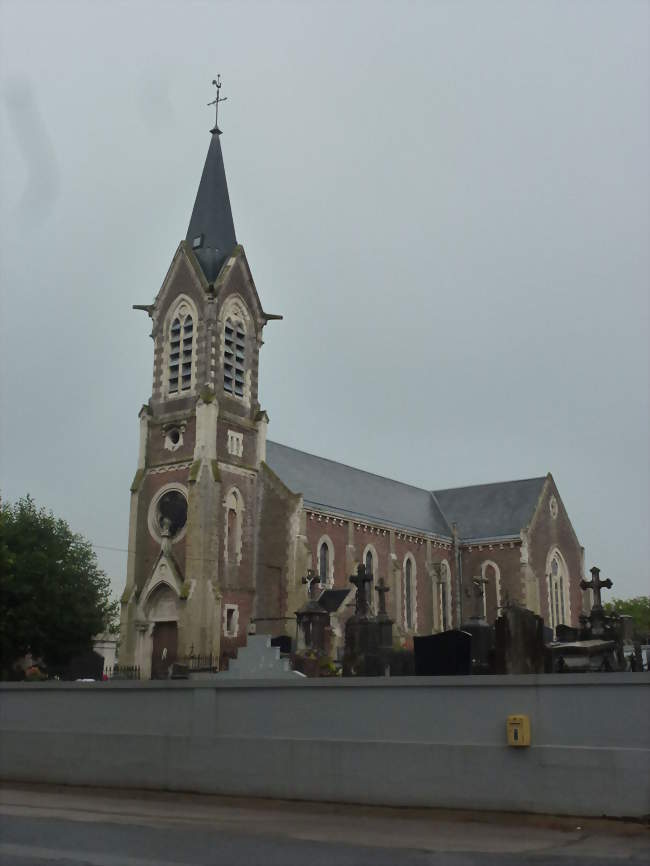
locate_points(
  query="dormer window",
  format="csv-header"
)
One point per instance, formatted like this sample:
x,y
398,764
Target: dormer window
x,y
234,357
197,242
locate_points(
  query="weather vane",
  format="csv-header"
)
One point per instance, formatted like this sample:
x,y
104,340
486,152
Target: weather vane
x,y
216,102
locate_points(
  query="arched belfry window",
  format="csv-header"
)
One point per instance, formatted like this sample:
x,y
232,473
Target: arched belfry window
x,y
234,357
370,568
181,348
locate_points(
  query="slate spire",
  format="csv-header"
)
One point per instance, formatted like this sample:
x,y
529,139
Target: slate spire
x,y
211,233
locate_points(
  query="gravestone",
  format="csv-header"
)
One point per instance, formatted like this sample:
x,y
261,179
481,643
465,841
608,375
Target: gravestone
x,y
312,620
597,646
566,633
482,633
384,622
368,638
88,665
598,622
284,642
482,646
519,642
443,655
259,660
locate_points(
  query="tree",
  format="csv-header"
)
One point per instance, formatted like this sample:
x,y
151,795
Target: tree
x,y
53,595
638,608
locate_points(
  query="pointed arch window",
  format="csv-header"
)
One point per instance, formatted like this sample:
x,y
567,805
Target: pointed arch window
x,y
445,596
324,563
491,590
325,560
408,593
234,357
181,347
370,565
558,591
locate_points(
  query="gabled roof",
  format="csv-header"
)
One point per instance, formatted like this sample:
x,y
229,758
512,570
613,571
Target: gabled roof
x,y
345,490
491,510
483,511
332,599
211,219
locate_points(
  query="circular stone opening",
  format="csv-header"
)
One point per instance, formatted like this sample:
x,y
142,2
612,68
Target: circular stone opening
x,y
172,508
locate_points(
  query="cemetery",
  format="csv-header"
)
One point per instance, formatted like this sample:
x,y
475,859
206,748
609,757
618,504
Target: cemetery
x,y
518,643
553,719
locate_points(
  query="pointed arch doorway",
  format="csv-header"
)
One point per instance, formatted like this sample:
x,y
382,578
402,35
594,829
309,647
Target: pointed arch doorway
x,y
164,652
163,613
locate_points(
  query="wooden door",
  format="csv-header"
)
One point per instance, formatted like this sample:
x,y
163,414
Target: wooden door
x,y
165,637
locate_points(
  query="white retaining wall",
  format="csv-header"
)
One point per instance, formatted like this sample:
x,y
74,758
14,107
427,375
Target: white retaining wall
x,y
411,741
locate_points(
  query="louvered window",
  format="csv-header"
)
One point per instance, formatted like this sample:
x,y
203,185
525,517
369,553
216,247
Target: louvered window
x,y
181,339
234,358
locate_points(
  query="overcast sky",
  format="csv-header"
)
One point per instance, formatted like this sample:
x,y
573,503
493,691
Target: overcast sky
x,y
448,202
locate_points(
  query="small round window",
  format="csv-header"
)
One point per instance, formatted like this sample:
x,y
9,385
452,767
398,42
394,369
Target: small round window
x,y
171,512
173,438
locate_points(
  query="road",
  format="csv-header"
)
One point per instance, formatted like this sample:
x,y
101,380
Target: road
x,y
42,825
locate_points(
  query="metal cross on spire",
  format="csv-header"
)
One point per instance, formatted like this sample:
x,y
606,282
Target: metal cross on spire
x,y
218,98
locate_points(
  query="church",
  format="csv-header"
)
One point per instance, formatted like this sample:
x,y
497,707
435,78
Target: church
x,y
225,523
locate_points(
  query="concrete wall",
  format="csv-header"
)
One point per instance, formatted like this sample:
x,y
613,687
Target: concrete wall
x,y
402,741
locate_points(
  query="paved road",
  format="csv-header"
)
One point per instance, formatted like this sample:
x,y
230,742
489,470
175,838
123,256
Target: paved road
x,y
82,827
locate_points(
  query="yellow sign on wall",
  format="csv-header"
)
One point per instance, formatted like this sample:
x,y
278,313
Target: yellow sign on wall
x,y
518,729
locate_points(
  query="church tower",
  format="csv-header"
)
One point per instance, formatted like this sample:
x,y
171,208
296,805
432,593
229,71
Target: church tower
x,y
194,498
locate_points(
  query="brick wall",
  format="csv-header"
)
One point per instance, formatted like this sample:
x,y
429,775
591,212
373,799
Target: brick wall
x,y
547,533
507,557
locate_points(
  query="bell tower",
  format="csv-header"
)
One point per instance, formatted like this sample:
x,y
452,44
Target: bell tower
x,y
192,547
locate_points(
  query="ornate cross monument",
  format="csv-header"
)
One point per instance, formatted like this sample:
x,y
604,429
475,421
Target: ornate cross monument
x,y
310,579
598,624
381,589
478,586
596,584
384,622
312,620
360,579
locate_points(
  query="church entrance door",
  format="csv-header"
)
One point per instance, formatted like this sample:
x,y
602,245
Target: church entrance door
x,y
165,638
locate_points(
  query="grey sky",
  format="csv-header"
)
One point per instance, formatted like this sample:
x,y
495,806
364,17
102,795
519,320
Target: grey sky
x,y
447,201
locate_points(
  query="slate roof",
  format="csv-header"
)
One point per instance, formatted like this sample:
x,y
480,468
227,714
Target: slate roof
x,y
336,487
491,510
483,511
212,218
332,599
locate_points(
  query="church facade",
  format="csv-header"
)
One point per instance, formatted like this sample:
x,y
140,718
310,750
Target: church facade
x,y
224,523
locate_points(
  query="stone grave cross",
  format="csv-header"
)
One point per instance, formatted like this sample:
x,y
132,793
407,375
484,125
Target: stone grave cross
x,y
381,589
596,584
479,593
360,579
310,579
